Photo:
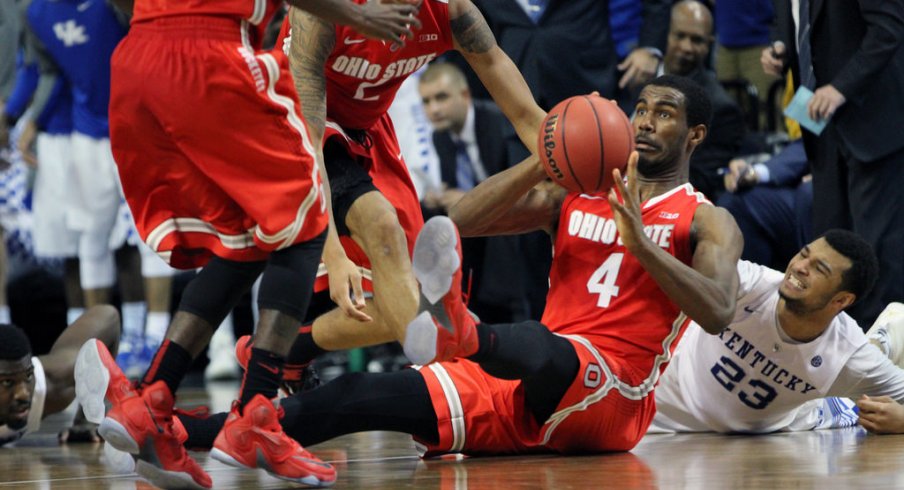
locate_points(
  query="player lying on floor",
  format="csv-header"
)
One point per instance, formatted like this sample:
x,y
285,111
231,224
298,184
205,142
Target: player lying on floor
x,y
789,346
33,387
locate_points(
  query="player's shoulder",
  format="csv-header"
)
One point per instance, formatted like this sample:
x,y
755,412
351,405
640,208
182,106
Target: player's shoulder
x,y
756,282
846,329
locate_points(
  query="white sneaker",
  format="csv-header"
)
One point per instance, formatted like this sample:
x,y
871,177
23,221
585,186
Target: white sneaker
x,y
888,333
221,352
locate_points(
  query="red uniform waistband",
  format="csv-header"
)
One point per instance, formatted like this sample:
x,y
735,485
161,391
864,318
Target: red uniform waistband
x,y
202,26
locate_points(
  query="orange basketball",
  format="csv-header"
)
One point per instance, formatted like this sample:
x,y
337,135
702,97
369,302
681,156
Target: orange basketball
x,y
582,140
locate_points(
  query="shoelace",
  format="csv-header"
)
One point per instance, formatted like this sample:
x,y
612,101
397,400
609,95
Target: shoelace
x,y
466,294
199,412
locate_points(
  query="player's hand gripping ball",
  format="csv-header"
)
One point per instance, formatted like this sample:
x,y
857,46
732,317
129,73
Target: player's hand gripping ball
x,y
582,140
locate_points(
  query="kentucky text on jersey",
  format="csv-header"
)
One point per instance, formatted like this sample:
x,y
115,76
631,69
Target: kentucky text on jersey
x,y
595,228
360,68
746,352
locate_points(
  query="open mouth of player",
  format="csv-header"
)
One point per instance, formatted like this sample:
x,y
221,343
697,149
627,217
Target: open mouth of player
x,y
794,283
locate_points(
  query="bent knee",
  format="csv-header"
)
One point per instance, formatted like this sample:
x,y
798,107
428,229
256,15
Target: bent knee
x,y
379,230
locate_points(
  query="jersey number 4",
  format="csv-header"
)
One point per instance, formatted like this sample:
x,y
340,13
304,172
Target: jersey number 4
x,y
602,282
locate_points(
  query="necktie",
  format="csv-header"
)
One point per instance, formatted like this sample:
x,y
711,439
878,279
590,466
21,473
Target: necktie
x,y
464,170
804,58
535,9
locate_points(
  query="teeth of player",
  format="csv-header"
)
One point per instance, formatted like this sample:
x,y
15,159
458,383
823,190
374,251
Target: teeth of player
x,y
796,282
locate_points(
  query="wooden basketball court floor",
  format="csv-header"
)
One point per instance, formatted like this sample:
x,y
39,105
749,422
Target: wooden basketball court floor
x,y
846,458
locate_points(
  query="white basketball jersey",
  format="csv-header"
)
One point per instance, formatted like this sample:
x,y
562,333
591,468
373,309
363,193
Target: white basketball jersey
x,y
749,378
36,413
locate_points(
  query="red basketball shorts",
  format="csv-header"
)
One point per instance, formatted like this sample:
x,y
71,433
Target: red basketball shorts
x,y
482,415
381,157
212,151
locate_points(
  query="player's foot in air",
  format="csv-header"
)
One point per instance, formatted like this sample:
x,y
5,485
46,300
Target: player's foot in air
x,y
888,333
253,438
443,328
140,422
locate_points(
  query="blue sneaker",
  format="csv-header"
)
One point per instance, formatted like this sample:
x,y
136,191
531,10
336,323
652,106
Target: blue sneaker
x,y
141,359
127,358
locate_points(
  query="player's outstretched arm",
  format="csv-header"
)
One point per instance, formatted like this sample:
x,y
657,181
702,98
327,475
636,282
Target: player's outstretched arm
x,y
517,200
99,322
475,41
707,291
389,22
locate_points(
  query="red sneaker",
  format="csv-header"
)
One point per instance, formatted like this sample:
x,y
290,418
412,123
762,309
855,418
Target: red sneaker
x,y
139,423
443,330
255,439
97,376
143,425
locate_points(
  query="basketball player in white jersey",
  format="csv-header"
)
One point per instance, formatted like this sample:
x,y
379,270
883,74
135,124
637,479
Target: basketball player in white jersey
x,y
789,346
33,387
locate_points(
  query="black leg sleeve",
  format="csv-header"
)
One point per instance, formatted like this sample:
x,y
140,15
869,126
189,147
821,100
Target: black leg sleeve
x,y
357,402
215,291
545,362
288,279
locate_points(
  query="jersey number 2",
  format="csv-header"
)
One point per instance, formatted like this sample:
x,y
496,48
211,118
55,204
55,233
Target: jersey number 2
x,y
359,94
602,282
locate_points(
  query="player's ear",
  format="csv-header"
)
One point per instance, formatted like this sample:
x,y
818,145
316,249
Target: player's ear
x,y
696,134
844,299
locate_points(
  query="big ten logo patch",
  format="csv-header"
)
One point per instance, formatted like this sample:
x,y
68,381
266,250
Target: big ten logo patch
x,y
593,376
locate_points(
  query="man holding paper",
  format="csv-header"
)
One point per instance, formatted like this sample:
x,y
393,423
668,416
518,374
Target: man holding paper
x,y
850,54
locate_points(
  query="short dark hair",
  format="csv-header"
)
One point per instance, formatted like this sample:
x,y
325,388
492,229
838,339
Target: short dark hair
x,y
14,344
698,108
861,277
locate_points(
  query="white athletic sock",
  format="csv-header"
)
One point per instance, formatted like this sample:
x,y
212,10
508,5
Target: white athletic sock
x,y
133,314
4,314
155,328
72,315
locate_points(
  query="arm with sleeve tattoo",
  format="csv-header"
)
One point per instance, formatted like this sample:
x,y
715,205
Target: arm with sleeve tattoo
x,y
496,70
311,43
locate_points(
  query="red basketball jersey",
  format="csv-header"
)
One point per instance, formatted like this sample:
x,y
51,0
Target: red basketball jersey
x,y
363,75
598,290
256,12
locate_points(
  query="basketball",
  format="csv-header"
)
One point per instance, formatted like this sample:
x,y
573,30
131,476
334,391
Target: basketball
x,y
582,140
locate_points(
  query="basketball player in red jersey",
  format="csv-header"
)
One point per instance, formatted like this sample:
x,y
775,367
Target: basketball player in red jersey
x,y
630,271
219,172
346,83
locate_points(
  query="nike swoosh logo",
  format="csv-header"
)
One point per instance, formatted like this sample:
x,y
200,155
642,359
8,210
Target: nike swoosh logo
x,y
749,309
83,6
272,369
354,41
151,413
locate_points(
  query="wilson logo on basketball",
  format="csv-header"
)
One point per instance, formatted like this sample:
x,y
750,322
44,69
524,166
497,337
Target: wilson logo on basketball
x,y
549,144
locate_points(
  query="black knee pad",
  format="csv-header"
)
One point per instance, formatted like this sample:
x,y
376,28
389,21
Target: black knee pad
x,y
214,292
288,280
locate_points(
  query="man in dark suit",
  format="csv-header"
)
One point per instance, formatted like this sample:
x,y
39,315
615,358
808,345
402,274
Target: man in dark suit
x,y
565,47
851,54
469,138
689,43
772,203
